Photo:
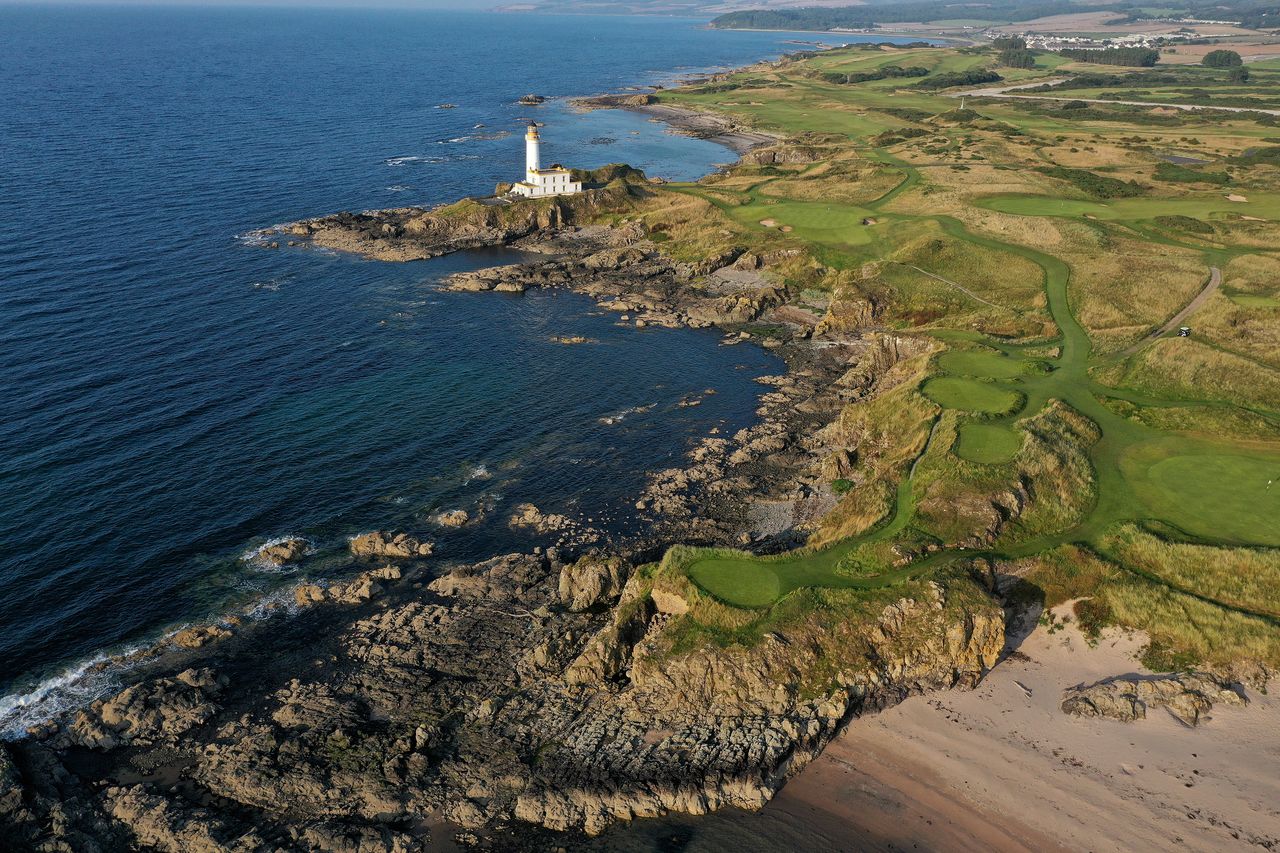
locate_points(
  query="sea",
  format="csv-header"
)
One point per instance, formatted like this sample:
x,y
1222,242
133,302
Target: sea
x,y
174,394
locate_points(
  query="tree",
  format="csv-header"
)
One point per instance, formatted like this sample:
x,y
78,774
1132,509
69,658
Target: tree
x,y
1239,74
1009,43
1135,57
1018,58
1222,59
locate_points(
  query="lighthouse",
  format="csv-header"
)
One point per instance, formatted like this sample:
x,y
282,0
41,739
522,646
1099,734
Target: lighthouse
x,y
539,182
532,155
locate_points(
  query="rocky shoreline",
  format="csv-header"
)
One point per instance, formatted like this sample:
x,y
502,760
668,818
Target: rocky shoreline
x,y
421,701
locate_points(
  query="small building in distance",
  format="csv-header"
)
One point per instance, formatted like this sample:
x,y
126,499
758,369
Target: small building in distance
x,y
539,182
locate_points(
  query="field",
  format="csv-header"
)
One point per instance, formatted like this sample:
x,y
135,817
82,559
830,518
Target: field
x,y
1043,250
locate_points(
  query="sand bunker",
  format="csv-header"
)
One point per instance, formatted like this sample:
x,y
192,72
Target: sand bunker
x,y
1236,197
769,223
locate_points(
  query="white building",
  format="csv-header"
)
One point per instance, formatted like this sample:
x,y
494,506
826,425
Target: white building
x,y
539,182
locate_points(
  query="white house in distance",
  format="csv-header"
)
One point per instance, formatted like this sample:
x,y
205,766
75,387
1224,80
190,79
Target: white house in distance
x,y
539,182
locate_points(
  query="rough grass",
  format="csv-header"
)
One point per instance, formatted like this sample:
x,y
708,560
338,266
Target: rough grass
x,y
1184,629
1244,578
1189,369
1113,284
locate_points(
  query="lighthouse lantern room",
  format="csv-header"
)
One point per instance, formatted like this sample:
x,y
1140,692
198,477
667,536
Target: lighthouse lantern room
x,y
539,182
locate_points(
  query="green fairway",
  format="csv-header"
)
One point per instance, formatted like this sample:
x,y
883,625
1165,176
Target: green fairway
x,y
981,363
971,395
1249,300
1259,204
988,444
1215,493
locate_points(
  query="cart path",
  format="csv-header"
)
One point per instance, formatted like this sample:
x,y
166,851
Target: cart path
x,y
1210,288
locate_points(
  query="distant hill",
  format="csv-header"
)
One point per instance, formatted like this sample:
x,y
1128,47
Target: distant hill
x,y
692,8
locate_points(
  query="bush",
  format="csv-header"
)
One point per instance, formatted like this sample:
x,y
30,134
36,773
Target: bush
x,y
958,78
1222,59
1177,173
1184,223
1239,74
1098,186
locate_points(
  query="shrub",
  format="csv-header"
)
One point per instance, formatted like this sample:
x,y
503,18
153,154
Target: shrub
x,y
1098,186
1181,174
958,78
1222,59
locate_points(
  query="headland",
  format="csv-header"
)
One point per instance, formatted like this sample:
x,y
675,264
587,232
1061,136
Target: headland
x,y
978,446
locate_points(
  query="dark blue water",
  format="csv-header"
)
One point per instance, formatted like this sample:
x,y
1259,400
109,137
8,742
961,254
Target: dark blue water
x,y
172,397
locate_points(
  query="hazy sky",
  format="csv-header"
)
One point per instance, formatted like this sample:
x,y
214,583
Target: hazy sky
x,y
398,4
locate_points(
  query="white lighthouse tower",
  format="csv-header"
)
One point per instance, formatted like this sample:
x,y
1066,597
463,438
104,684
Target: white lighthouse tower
x,y
532,153
539,182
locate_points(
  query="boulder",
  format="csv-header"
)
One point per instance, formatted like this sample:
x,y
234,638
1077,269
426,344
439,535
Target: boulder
x,y
395,546
283,551
195,638
453,518
592,581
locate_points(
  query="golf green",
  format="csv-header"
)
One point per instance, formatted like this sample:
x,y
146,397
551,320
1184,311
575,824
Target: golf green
x,y
1224,496
971,395
988,444
981,363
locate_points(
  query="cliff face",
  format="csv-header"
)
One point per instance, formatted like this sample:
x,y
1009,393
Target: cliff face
x,y
491,696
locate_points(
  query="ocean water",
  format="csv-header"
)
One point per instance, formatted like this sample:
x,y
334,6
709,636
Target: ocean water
x,y
173,395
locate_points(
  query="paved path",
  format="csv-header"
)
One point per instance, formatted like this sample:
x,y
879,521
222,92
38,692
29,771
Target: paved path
x,y
1215,279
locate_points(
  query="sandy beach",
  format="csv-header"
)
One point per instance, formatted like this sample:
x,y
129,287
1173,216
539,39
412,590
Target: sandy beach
x,y
1002,767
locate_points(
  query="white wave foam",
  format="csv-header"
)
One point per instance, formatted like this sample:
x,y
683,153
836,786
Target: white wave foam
x,y
619,417
253,555
401,161
74,687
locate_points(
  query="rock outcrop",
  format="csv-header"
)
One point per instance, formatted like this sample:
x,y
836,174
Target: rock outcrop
x,y
391,545
490,696
283,551
592,581
1188,696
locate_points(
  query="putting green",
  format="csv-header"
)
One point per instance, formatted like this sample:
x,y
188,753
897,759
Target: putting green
x,y
987,444
821,222
981,363
971,395
1223,495
741,583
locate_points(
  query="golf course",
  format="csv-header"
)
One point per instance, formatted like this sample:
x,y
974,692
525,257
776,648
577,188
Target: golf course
x,y
1043,290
